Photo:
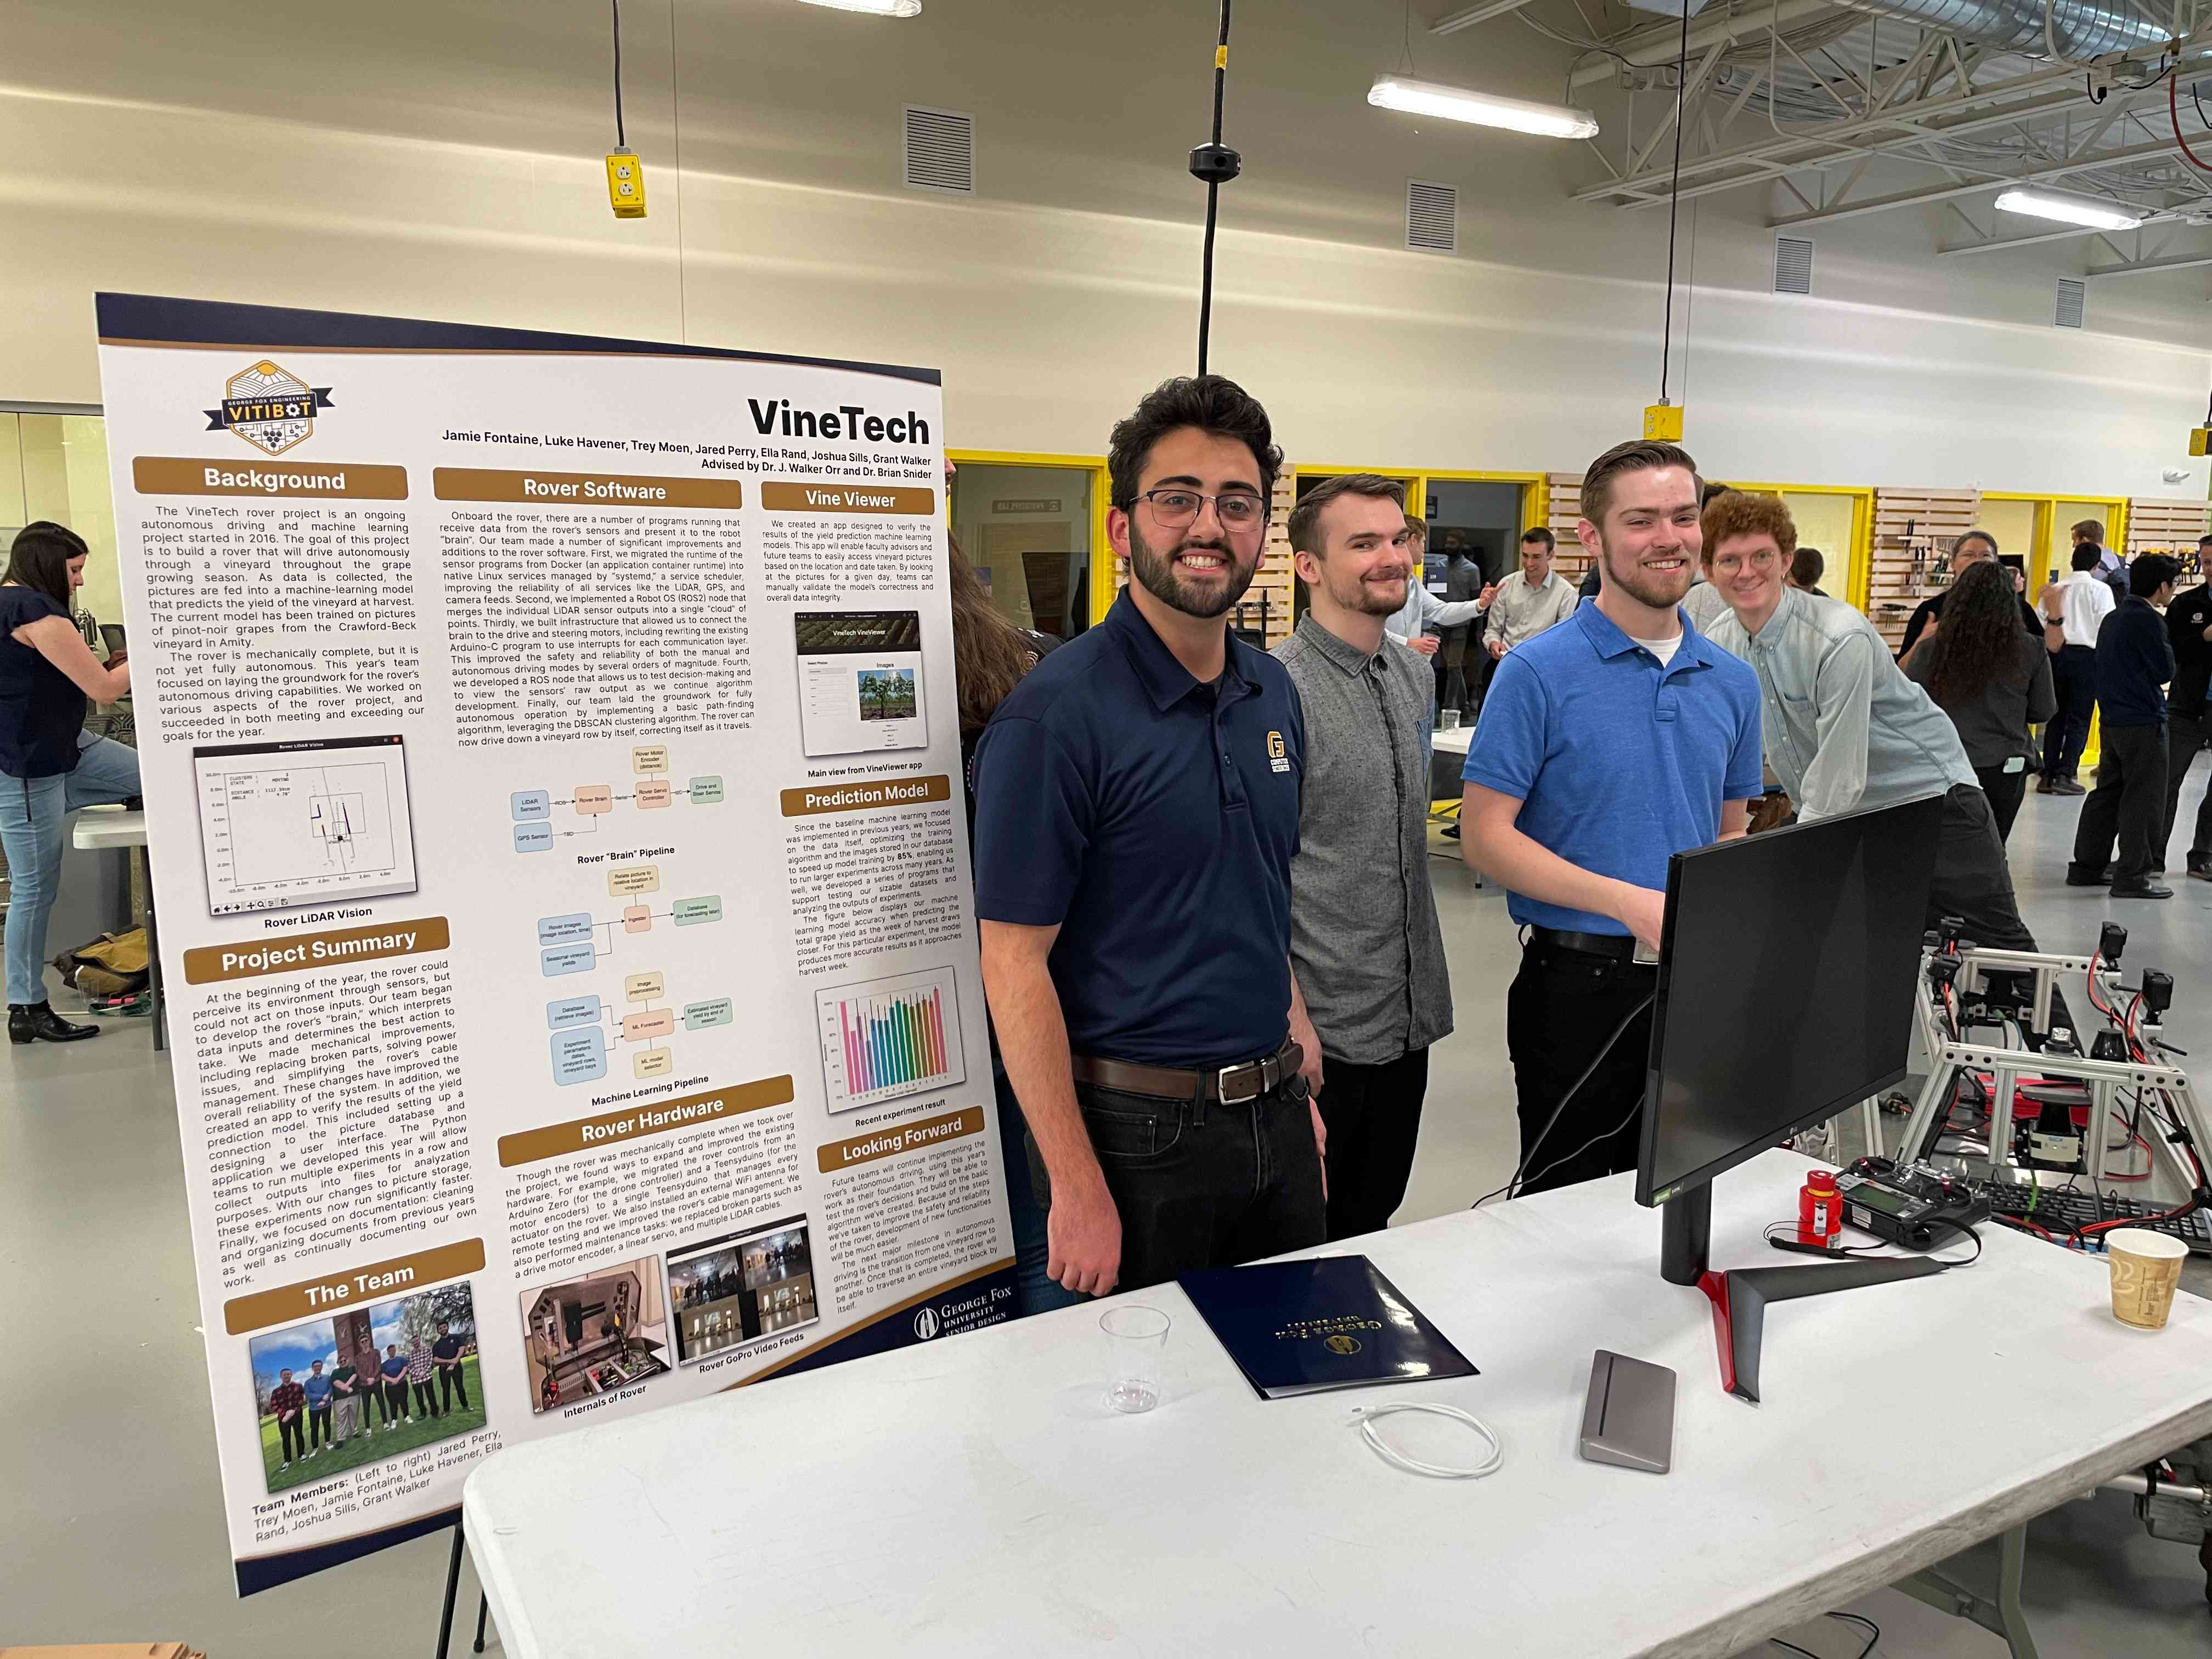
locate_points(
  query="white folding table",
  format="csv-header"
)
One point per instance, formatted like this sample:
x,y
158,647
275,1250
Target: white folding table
x,y
99,828
975,1496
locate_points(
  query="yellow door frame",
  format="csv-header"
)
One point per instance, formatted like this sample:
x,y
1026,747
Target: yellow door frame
x,y
2114,512
1858,577
1103,584
1536,489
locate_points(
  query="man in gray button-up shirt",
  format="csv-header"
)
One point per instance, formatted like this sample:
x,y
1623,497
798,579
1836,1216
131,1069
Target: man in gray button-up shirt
x,y
1844,728
1365,943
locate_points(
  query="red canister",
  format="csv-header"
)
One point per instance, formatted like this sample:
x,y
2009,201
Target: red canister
x,y
1819,1209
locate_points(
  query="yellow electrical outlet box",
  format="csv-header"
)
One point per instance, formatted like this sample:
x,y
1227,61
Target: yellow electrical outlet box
x,y
626,184
1664,422
2200,441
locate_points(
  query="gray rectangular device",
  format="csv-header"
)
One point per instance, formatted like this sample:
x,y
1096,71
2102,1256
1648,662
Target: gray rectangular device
x,y
1629,1417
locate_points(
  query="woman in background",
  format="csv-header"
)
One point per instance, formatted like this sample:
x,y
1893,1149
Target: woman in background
x,y
1993,680
990,655
50,765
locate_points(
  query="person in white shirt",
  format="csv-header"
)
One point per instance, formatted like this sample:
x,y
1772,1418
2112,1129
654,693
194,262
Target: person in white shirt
x,y
1410,624
2078,605
1533,598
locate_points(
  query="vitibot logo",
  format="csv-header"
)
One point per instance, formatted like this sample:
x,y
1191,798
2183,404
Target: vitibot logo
x,y
269,407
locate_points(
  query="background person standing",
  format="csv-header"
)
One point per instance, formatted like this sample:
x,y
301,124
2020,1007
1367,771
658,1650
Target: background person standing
x,y
2077,606
1993,679
50,765
1365,948
2188,720
2133,663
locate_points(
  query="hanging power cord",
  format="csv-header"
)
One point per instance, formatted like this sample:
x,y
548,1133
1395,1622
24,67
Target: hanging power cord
x,y
621,141
1675,202
1364,1416
2174,115
1873,1636
1213,164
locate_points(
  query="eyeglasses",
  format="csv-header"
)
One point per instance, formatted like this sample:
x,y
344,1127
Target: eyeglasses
x,y
1765,558
1177,508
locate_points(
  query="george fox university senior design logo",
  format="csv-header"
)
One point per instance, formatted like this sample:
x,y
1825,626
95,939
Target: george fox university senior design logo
x,y
269,407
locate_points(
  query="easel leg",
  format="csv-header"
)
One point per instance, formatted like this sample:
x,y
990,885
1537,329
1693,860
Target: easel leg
x,y
452,1590
483,1612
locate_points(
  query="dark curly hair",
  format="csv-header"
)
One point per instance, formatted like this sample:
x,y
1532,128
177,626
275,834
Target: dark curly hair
x,y
1215,405
1978,636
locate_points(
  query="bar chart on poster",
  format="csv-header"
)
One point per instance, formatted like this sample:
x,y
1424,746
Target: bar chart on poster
x,y
285,823
890,1037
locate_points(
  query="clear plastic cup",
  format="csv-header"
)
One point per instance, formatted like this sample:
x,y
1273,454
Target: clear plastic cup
x,y
1448,720
1137,1341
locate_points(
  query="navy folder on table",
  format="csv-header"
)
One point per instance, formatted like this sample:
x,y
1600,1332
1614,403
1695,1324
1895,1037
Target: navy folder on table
x,y
1297,1327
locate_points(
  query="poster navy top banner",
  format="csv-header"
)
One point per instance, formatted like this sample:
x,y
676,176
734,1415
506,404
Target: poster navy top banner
x,y
565,909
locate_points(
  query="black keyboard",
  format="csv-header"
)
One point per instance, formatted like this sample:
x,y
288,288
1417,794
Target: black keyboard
x,y
2064,1212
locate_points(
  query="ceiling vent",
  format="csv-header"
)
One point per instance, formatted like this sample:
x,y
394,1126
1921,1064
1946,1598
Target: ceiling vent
x,y
1793,265
941,150
2072,297
1431,216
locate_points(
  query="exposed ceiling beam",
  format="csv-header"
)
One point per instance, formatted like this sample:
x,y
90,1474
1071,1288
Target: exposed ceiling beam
x,y
2149,267
1660,42
1998,244
1473,14
2111,158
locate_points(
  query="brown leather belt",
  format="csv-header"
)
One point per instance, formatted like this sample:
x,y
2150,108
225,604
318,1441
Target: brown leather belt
x,y
1231,1085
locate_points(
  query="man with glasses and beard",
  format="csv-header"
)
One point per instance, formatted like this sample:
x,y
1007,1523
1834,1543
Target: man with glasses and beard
x,y
1136,814
1606,745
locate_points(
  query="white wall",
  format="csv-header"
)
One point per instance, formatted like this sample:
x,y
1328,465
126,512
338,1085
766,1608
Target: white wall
x,y
443,159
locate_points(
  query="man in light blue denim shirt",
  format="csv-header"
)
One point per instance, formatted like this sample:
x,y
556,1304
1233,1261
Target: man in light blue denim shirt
x,y
1843,727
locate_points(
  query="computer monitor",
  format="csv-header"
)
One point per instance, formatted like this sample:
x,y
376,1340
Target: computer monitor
x,y
1787,972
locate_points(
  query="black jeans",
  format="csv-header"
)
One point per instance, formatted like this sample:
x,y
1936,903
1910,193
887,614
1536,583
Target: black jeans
x,y
1974,884
450,1382
2129,801
2073,677
319,1426
1201,1184
426,1402
2184,735
1562,1006
1373,1113
294,1433
395,1402
2005,791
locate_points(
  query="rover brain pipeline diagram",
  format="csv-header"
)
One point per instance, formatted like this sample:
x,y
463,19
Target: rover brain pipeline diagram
x,y
543,817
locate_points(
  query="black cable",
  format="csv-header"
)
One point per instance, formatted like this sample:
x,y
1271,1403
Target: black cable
x,y
1793,1647
1212,192
1603,1134
1873,1639
621,142
2199,102
1552,1122
1673,203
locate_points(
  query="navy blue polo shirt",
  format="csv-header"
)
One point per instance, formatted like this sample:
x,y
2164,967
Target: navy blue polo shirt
x,y
1618,762
1153,819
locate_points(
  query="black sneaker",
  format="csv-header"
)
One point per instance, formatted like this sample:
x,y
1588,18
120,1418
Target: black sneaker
x,y
2077,877
2067,787
2200,869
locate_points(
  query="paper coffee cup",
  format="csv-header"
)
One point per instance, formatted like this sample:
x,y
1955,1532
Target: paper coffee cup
x,y
2146,1270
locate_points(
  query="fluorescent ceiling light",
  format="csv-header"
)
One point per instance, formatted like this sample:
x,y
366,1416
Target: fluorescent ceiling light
x,y
1482,108
874,8
2069,209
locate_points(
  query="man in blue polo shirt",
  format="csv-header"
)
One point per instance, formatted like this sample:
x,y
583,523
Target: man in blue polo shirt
x,y
1136,813
1606,745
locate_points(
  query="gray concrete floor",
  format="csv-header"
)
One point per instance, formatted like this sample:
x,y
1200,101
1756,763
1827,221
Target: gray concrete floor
x,y
107,1475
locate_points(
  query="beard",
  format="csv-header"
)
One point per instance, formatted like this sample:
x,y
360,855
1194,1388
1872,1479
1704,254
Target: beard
x,y
1652,588
1371,598
1156,572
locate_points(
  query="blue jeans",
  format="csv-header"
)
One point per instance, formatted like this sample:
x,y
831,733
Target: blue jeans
x,y
1036,1291
34,828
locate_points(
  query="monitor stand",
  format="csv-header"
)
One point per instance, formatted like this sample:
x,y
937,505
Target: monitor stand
x,y
1740,1297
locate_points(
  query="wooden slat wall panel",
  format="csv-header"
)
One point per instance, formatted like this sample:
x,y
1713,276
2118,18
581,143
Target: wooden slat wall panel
x,y
1913,529
2163,525
1571,561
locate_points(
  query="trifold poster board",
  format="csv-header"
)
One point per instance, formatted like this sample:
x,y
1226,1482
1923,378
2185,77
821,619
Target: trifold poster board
x,y
566,919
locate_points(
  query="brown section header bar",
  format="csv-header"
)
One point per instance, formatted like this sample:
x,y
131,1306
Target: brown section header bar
x,y
847,498
469,484
353,1287
865,797
250,958
167,475
585,1132
903,1137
